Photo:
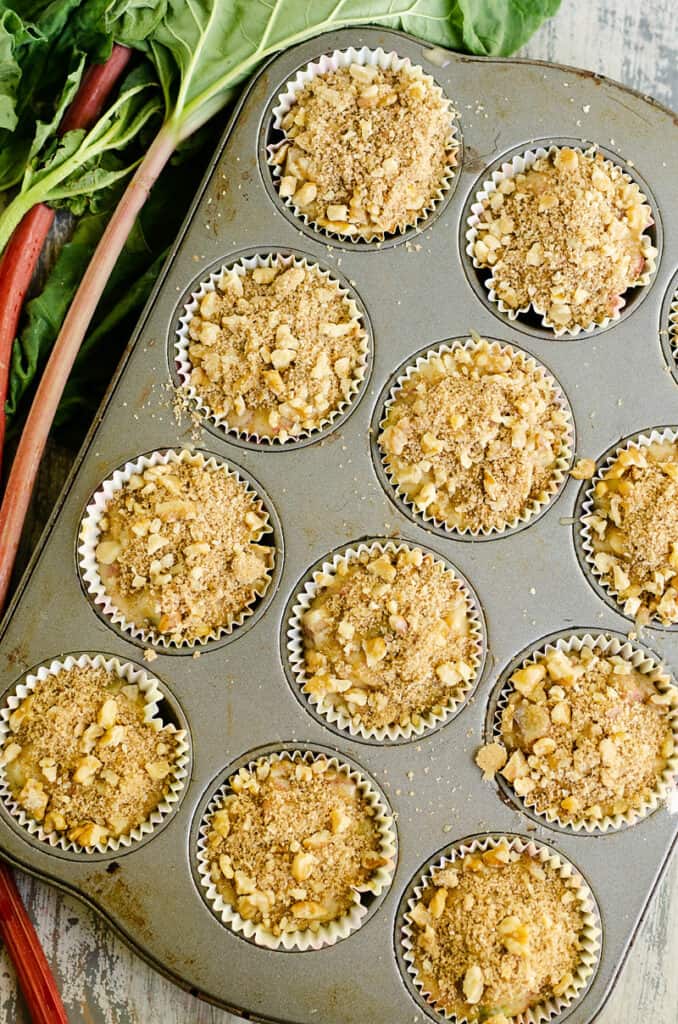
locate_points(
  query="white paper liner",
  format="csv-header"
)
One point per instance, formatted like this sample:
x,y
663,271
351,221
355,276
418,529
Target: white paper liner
x,y
184,365
588,508
673,327
642,663
332,931
148,688
558,473
90,532
337,716
333,62
519,164
591,934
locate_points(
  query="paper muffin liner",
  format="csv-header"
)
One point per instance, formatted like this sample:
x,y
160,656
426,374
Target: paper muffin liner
x,y
338,716
640,440
329,932
185,367
673,326
333,62
90,531
642,662
558,473
518,165
590,940
148,688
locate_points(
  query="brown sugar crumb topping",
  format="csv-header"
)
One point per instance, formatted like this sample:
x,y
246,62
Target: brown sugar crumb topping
x,y
82,758
276,350
587,735
634,528
567,236
387,638
495,933
473,436
293,844
368,149
179,551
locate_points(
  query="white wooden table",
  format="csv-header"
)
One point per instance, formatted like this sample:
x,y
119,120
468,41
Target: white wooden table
x,y
101,981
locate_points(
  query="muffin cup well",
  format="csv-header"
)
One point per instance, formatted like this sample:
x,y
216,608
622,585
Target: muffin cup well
x,y
332,931
148,688
90,531
591,936
641,661
338,717
673,327
333,62
184,365
640,440
518,165
558,474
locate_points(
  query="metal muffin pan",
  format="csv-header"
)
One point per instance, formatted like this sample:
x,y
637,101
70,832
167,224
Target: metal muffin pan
x,y
235,697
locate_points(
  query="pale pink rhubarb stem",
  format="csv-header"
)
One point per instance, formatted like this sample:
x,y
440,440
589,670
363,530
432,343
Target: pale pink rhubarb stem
x,y
36,430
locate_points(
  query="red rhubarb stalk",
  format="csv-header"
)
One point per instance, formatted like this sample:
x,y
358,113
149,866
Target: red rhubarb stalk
x,y
36,430
20,258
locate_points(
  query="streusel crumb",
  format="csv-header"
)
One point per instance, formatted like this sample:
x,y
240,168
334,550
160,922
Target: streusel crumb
x,y
588,735
276,350
495,933
473,436
387,638
368,149
566,236
180,549
293,845
82,758
634,526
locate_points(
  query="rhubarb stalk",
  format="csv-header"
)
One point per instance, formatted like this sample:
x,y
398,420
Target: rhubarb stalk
x,y
20,258
34,437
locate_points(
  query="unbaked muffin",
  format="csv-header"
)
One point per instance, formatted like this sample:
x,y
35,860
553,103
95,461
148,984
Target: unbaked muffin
x,y
494,934
476,437
84,758
567,237
634,530
293,844
180,549
275,351
388,639
367,150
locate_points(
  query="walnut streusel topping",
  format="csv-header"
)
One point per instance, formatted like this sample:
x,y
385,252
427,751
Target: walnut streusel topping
x,y
495,933
473,436
567,236
179,549
368,148
276,350
388,639
634,529
82,759
587,735
292,844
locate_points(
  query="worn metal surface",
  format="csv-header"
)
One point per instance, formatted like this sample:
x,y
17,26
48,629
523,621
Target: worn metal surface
x,y
451,748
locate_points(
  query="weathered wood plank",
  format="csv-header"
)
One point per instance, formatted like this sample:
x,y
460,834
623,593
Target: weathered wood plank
x,y
101,980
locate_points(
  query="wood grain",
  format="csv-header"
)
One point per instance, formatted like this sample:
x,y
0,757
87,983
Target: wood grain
x,y
101,980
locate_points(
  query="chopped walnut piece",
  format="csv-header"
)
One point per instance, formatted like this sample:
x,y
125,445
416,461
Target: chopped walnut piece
x,y
307,839
490,759
568,238
213,565
388,638
288,350
502,935
634,529
597,743
367,156
505,457
87,795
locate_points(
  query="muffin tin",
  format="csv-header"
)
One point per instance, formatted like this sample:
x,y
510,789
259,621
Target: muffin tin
x,y
236,698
